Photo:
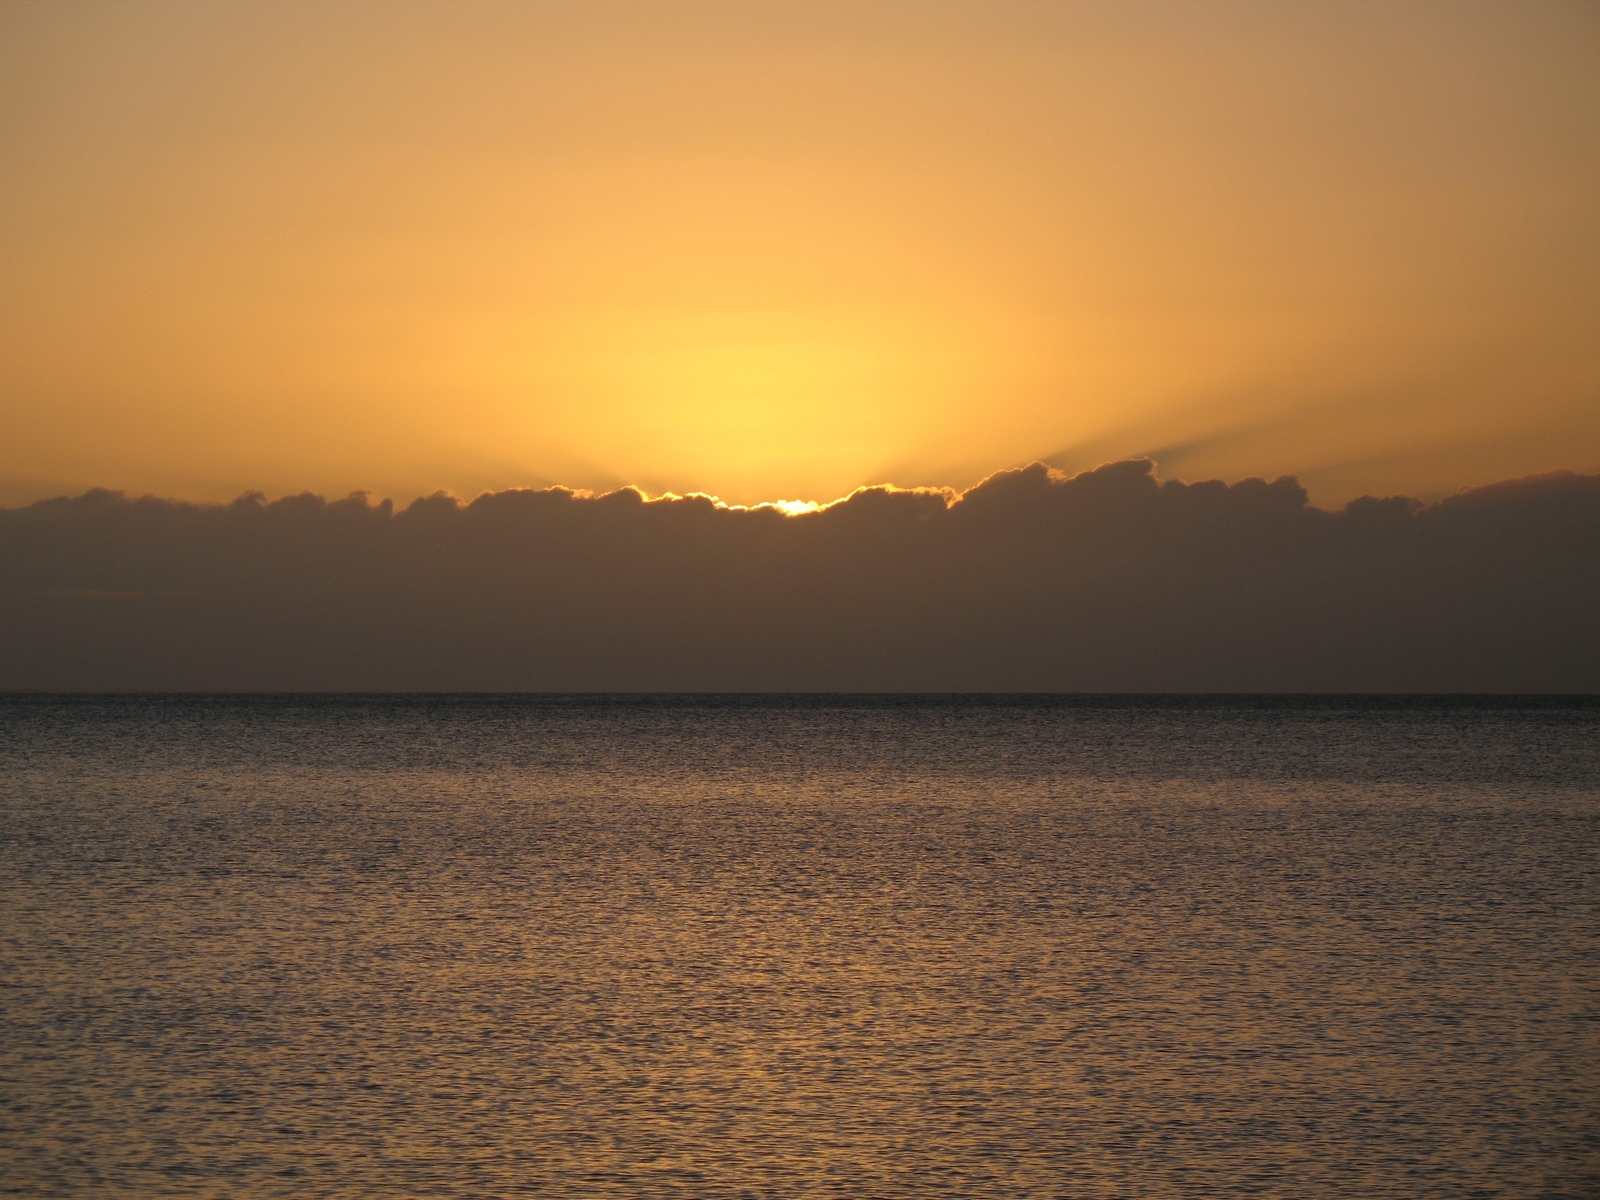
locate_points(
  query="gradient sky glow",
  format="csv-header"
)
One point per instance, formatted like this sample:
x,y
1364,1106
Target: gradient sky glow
x,y
783,249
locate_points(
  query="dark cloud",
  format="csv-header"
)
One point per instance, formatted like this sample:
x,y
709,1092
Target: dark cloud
x,y
1108,581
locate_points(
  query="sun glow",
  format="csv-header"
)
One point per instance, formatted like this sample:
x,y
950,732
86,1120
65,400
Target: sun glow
x,y
793,508
806,399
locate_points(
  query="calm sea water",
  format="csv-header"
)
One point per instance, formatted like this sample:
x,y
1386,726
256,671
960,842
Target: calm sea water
x,y
476,947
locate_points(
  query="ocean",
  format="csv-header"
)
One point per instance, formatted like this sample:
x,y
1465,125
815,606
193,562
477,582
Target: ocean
x,y
799,946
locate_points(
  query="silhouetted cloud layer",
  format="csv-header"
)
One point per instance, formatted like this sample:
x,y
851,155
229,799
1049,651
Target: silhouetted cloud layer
x,y
1108,581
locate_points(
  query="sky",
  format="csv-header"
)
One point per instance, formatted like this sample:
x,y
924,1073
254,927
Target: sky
x,y
782,250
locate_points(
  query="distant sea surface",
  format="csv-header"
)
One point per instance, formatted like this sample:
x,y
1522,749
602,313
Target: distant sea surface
x,y
799,947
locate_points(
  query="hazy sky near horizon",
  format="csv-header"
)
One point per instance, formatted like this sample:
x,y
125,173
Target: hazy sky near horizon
x,y
783,249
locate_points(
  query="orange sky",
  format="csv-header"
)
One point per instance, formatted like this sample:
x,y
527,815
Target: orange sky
x,y
780,250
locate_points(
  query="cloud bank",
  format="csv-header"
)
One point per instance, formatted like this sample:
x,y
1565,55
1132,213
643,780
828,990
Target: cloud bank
x,y
1111,580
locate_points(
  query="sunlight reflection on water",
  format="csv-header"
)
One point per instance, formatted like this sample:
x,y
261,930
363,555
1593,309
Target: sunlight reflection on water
x,y
440,947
